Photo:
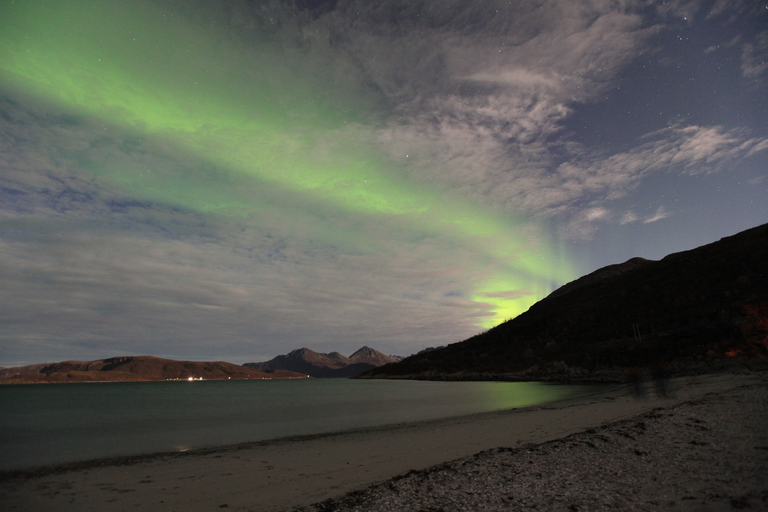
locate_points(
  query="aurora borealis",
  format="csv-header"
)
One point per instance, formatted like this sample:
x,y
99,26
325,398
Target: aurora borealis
x,y
233,180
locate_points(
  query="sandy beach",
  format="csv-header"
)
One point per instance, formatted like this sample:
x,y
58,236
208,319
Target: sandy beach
x,y
703,447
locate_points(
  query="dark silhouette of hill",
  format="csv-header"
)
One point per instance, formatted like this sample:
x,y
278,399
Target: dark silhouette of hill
x,y
696,310
138,368
319,365
600,274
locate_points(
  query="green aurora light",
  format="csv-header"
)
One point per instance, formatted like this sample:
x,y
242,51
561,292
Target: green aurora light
x,y
260,115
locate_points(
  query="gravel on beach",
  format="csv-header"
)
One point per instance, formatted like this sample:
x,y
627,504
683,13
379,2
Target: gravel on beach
x,y
706,454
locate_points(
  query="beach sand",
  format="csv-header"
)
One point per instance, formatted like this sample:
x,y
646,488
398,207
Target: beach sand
x,y
705,446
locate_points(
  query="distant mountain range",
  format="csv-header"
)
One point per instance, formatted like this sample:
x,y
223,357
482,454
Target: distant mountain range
x,y
698,310
320,365
136,368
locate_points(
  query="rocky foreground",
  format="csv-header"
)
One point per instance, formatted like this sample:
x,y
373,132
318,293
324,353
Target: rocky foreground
x,y
707,454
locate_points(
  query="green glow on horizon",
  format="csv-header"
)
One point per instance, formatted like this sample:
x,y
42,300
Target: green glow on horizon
x,y
248,111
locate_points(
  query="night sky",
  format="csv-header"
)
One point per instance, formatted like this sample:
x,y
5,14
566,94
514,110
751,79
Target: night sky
x,y
232,180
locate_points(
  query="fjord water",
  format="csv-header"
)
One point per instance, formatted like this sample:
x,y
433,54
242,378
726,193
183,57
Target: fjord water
x,y
57,423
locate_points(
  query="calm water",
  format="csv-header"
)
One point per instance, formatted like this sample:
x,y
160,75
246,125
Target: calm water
x,y
56,423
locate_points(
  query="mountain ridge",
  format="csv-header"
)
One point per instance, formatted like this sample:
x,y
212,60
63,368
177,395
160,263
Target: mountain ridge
x,y
606,272
691,311
135,368
321,365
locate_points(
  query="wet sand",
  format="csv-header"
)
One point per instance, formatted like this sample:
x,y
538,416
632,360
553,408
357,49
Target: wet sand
x,y
285,474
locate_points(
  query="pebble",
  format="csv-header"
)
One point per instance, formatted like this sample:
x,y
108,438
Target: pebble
x,y
707,454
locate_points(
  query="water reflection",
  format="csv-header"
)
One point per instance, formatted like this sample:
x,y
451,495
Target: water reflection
x,y
51,424
512,395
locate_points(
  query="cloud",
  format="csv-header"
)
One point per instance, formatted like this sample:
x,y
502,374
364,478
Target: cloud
x,y
628,218
689,149
585,223
132,292
125,239
510,294
754,57
661,213
85,260
683,10
477,95
698,149
481,110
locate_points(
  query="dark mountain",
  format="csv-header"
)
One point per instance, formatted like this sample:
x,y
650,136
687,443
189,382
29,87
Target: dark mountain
x,y
139,368
697,310
600,274
430,349
367,355
333,365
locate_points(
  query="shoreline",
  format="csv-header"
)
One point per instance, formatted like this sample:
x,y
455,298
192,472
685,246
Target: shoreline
x,y
128,460
294,472
707,453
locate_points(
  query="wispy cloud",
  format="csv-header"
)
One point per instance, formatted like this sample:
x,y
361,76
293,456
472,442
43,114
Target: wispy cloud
x,y
480,114
119,238
754,57
683,148
661,213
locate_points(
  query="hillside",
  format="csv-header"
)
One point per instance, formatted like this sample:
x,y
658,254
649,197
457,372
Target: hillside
x,y
320,365
139,368
697,310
